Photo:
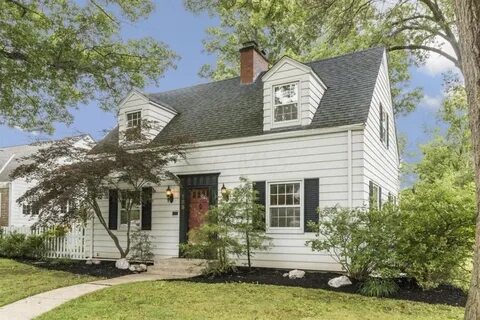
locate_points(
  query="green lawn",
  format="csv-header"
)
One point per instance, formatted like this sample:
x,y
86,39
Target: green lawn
x,y
19,280
184,300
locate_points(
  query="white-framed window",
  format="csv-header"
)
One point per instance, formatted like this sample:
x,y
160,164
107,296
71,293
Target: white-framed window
x,y
375,195
128,198
66,207
134,119
391,198
384,127
285,102
29,209
284,205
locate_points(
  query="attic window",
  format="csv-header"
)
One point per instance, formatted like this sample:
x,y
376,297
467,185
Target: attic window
x,y
134,119
285,104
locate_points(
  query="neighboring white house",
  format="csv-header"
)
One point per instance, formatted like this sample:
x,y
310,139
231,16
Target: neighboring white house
x,y
12,213
308,135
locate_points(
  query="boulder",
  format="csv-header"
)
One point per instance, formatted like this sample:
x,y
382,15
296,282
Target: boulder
x,y
89,261
96,261
285,274
138,267
142,267
296,274
122,264
339,282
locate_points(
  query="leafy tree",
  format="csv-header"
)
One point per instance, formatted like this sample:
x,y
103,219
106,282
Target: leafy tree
x,y
233,228
65,173
57,54
248,223
468,26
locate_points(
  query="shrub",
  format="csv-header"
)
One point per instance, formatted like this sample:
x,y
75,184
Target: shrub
x,y
362,241
438,232
17,245
230,229
378,287
141,246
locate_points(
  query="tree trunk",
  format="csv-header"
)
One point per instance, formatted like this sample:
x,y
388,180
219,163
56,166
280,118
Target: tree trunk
x,y
468,22
98,213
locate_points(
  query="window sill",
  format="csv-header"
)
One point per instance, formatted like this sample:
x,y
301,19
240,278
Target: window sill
x,y
284,231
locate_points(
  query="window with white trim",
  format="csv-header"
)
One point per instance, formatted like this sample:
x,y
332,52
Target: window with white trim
x,y
29,209
134,119
285,102
284,205
375,196
128,199
384,127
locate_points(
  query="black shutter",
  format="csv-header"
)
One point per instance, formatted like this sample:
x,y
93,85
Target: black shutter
x,y
388,132
379,197
147,208
311,201
370,194
112,209
260,187
381,123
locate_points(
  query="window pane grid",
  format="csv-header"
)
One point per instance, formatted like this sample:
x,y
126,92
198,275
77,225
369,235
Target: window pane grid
x,y
134,119
285,205
285,102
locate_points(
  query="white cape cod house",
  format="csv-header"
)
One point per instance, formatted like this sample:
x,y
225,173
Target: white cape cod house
x,y
309,135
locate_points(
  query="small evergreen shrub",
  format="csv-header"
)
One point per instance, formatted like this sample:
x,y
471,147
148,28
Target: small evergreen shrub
x,y
141,246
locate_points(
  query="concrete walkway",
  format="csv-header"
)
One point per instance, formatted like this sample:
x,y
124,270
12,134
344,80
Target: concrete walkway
x,y
36,305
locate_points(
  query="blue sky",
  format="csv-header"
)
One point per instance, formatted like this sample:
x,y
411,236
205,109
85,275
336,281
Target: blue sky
x,y
184,32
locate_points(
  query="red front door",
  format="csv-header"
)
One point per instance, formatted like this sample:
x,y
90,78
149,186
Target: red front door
x,y
199,204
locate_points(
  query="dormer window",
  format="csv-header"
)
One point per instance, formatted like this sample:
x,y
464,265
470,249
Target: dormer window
x,y
285,104
134,119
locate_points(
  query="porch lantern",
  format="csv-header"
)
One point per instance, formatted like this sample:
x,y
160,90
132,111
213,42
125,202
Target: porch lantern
x,y
224,192
169,194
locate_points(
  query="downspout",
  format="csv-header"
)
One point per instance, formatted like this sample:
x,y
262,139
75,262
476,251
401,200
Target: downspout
x,y
349,168
91,236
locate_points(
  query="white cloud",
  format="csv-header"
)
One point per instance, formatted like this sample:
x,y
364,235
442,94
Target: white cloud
x,y
432,103
437,64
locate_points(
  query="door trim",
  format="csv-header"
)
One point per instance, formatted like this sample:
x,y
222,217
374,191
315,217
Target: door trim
x,y
188,182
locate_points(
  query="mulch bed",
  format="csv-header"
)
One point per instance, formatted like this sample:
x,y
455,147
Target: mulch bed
x,y
105,269
409,290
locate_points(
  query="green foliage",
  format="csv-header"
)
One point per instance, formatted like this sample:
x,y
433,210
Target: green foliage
x,y
58,54
362,241
17,245
378,287
233,228
309,30
141,246
438,230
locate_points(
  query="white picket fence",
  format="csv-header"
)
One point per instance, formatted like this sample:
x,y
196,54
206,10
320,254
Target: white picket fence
x,y
71,245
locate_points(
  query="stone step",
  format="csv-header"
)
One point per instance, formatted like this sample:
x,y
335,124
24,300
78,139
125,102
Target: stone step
x,y
177,268
172,269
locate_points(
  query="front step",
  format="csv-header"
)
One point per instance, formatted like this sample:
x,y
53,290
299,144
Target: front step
x,y
178,268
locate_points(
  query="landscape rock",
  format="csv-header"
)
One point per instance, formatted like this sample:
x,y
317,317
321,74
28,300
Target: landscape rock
x,y
122,264
285,274
339,282
89,261
296,274
138,267
142,267
96,261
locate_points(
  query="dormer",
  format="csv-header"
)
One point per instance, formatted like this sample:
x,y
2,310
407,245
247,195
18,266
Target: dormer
x,y
291,94
137,107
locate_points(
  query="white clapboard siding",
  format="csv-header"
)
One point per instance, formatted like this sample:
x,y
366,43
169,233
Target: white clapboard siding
x,y
16,217
322,156
381,164
70,246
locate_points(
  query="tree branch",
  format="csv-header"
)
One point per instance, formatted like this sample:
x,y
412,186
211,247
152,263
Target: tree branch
x,y
427,48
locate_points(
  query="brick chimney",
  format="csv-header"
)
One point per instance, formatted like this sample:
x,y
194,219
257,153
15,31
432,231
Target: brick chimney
x,y
252,62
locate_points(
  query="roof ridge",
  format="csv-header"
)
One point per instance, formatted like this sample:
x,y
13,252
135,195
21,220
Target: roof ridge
x,y
44,141
345,54
229,79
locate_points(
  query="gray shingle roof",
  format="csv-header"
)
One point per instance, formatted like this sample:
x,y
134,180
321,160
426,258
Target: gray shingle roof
x,y
16,153
227,109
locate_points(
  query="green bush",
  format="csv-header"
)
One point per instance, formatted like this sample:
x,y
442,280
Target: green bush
x,y
362,241
17,245
438,232
378,287
141,246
